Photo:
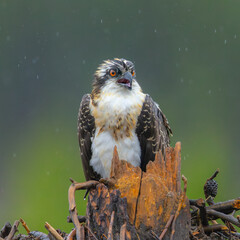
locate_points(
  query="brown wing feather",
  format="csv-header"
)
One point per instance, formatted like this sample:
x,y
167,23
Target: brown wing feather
x,y
86,130
152,130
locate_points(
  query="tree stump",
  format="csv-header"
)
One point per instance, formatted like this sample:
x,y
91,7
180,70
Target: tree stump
x,y
141,205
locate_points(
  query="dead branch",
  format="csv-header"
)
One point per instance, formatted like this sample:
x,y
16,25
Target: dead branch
x,y
90,231
226,207
53,231
123,231
110,235
223,216
25,225
13,230
82,233
166,227
72,204
214,175
200,204
215,228
72,234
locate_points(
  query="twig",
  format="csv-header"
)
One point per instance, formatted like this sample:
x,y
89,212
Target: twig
x,y
72,203
226,207
180,205
223,216
123,231
91,232
200,203
214,175
166,227
215,228
110,235
13,230
82,233
25,225
155,235
53,231
71,235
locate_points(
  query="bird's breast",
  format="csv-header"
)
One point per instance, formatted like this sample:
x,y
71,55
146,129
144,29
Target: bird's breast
x,y
117,114
115,117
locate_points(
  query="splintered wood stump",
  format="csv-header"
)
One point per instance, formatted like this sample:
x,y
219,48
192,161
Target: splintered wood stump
x,y
141,205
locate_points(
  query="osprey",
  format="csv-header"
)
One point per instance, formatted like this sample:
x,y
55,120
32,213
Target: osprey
x,y
118,113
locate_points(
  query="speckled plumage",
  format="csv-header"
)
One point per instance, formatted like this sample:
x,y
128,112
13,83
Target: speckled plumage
x,y
116,115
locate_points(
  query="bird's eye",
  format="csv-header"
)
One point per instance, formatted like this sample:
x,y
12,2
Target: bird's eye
x,y
113,72
133,73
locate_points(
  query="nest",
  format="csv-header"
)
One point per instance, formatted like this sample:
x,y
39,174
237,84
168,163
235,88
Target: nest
x,y
132,204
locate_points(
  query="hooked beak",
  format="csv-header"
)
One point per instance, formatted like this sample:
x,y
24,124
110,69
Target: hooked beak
x,y
126,80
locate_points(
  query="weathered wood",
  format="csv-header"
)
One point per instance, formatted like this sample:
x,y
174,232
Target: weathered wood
x,y
143,201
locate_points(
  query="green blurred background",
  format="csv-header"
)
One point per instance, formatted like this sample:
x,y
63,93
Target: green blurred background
x,y
186,55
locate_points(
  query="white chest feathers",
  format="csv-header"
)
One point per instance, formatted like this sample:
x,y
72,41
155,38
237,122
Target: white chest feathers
x,y
116,114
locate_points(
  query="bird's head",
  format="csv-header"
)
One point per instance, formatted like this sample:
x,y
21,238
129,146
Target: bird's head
x,y
119,73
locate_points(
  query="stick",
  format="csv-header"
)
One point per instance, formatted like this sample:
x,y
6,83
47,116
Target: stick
x,y
123,231
25,225
53,231
71,235
214,175
91,232
110,235
226,207
215,228
223,216
200,203
82,233
72,204
166,227
13,230
155,235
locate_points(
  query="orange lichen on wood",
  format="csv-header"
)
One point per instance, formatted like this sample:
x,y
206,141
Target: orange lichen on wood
x,y
128,180
152,196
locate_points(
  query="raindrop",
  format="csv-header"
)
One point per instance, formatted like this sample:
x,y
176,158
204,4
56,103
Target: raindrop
x,y
209,91
35,60
225,41
18,65
235,36
25,57
186,49
37,76
117,20
139,11
83,61
57,130
8,38
179,49
155,30
181,80
101,21
215,30
57,34
14,155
